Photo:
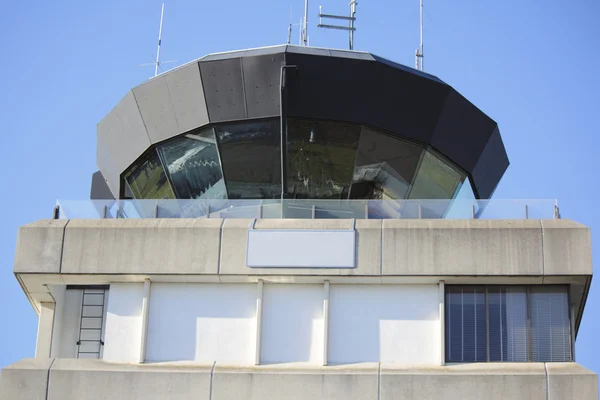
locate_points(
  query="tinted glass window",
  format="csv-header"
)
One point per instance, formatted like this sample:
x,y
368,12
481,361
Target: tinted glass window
x,y
251,159
194,167
385,166
147,179
465,324
436,179
507,315
320,159
550,326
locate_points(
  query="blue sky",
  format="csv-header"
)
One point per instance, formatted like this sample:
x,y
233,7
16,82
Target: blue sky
x,y
532,66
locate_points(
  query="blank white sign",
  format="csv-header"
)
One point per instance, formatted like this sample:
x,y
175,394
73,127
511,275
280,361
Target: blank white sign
x,y
301,249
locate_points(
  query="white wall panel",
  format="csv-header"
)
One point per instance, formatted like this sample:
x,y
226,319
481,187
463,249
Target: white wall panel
x,y
202,322
384,323
123,326
292,325
69,332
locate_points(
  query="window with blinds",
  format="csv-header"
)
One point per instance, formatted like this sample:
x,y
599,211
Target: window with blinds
x,y
507,323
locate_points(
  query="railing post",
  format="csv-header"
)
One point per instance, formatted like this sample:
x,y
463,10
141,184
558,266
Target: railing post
x,y
104,211
526,211
556,212
156,209
56,213
473,213
420,211
260,211
314,211
208,211
366,211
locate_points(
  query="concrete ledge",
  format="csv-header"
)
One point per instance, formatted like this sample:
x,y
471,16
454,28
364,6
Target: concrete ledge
x,y
465,382
567,248
571,381
462,247
39,246
25,379
80,379
357,382
142,246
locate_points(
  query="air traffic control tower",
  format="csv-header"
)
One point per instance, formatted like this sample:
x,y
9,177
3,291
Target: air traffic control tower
x,y
301,223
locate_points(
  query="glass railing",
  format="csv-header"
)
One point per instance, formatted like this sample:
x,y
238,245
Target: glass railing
x,y
307,209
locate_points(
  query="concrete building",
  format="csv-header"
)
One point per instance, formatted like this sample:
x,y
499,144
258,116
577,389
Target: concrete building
x,y
301,223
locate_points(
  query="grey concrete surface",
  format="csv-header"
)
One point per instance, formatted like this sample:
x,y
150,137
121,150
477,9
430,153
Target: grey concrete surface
x,y
124,137
357,383
465,382
25,380
462,247
571,381
39,246
142,246
81,379
567,248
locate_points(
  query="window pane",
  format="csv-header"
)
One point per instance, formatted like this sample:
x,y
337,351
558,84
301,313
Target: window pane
x,y
321,159
251,159
147,179
550,326
194,166
507,323
385,166
436,179
465,324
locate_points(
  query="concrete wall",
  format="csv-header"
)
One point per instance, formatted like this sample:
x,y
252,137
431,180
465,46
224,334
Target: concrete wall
x,y
123,332
68,379
292,324
388,323
202,323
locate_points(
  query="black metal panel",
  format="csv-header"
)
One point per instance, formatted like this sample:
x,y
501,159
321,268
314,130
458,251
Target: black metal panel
x,y
261,84
365,92
490,167
223,89
99,189
462,131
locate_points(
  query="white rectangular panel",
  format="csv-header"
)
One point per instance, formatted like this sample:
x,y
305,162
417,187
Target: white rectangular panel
x,y
123,330
202,322
292,325
301,249
384,323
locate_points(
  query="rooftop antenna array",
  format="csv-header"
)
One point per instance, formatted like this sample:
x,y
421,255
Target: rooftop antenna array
x,y
419,56
351,20
157,64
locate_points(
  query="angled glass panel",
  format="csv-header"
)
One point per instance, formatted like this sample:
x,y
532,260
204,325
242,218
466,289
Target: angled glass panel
x,y
251,159
385,166
194,167
436,179
320,159
146,179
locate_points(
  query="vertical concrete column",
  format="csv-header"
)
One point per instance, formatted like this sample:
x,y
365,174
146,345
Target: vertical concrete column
x,y
45,327
442,306
145,313
573,316
325,322
259,298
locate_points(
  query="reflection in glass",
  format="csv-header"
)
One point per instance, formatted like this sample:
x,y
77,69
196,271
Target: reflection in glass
x,y
464,203
251,159
436,179
385,166
147,179
320,159
194,167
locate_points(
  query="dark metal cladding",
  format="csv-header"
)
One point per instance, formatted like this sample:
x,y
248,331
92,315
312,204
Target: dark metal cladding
x,y
224,90
490,167
261,85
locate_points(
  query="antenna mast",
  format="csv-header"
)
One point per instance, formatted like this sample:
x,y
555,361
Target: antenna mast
x,y
419,56
304,27
157,63
351,19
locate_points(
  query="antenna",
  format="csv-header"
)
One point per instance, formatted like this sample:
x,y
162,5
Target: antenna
x,y
305,25
351,19
157,63
419,56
